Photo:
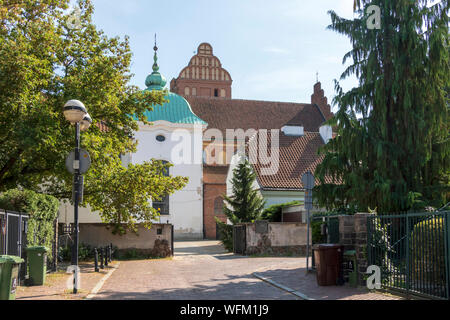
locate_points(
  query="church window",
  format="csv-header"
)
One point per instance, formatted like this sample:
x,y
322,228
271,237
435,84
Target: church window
x,y
186,91
218,206
216,92
222,93
160,138
162,205
194,91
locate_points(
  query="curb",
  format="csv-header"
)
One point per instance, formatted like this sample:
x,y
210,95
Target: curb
x,y
100,284
282,287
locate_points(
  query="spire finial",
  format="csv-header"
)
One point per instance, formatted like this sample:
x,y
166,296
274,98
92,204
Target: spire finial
x,y
317,76
155,81
155,57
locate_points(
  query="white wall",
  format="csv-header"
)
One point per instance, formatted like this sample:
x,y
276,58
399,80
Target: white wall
x,y
186,205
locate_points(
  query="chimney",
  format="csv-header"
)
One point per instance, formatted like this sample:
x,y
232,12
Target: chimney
x,y
320,100
326,132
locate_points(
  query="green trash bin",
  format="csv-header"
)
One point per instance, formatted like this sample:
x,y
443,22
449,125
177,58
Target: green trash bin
x,y
351,267
37,264
9,276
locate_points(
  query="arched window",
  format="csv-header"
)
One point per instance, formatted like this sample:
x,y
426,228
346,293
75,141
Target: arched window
x,y
186,91
218,206
163,205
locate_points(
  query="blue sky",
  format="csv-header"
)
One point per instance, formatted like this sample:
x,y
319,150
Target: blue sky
x,y
272,49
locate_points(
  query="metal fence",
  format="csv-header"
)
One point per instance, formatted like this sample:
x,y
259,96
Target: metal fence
x,y
13,236
412,251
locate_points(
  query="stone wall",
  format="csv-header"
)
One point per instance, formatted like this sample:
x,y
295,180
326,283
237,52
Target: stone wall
x,y
155,242
276,238
353,235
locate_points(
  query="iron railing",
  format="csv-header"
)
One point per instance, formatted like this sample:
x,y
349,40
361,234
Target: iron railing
x,y
13,236
412,251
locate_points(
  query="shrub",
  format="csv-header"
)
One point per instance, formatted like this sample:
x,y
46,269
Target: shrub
x,y
427,249
85,253
274,212
43,210
226,234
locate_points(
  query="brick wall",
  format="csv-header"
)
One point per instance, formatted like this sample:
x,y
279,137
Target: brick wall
x,y
353,235
275,238
98,235
211,193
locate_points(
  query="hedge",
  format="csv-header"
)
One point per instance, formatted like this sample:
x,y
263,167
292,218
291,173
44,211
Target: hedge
x,y
427,249
43,210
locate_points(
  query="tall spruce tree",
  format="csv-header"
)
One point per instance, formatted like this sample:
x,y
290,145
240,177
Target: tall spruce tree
x,y
245,205
392,151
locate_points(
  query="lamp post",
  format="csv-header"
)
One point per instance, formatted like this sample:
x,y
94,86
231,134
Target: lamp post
x,y
76,113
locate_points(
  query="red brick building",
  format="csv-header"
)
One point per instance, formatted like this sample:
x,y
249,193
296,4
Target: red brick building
x,y
207,87
203,77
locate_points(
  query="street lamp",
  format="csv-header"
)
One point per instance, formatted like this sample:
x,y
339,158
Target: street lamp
x,y
76,113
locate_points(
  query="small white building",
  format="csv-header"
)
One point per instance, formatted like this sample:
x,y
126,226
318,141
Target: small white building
x,y
175,135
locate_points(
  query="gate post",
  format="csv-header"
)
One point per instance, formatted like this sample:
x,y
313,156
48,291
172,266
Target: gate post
x,y
408,278
447,252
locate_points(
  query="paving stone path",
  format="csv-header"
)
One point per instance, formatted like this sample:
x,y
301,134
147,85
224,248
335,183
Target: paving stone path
x,y
204,271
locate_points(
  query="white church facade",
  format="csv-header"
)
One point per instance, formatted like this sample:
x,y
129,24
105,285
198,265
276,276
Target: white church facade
x,y
175,136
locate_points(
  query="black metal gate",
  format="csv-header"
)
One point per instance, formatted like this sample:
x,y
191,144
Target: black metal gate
x,y
239,239
13,236
412,251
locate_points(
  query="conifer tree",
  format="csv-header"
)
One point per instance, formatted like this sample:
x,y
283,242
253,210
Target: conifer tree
x,y
392,150
245,205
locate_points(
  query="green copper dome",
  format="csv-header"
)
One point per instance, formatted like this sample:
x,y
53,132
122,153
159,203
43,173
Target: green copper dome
x,y
177,109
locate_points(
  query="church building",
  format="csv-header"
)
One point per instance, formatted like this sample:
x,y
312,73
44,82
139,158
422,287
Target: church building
x,y
206,85
199,114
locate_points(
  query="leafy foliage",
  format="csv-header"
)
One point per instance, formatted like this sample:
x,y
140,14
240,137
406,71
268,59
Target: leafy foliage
x,y
43,210
44,62
226,234
392,150
245,204
427,250
274,212
132,187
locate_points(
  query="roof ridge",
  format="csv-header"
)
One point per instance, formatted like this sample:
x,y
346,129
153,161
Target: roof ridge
x,y
232,99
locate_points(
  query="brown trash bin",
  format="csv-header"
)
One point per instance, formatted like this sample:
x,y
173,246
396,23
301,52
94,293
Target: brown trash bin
x,y
328,260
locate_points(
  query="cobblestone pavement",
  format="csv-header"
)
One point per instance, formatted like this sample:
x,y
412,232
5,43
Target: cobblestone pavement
x,y
204,271
297,279
56,286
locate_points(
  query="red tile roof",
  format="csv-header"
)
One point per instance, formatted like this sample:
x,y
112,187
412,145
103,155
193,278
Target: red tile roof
x,y
225,114
297,155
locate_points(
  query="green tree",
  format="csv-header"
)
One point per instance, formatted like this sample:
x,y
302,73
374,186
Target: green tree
x,y
49,56
245,204
392,147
